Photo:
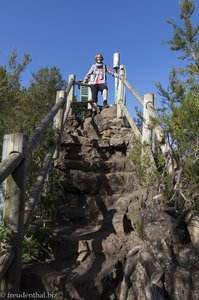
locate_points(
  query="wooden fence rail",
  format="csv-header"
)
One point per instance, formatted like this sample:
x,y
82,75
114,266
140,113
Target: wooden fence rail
x,y
37,134
17,212
37,188
6,259
148,134
8,165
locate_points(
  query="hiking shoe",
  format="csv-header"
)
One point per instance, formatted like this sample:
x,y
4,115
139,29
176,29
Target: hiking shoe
x,y
94,113
89,114
105,104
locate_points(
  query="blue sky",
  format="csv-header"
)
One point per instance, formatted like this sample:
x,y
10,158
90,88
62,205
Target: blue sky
x,y
67,34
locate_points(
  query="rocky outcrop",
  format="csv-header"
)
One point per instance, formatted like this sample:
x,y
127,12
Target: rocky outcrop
x,y
112,240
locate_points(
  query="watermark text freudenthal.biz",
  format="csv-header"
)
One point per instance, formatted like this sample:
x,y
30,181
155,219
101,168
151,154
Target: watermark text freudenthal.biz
x,y
34,295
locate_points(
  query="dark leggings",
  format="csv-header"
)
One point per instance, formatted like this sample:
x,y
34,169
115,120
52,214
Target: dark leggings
x,y
95,88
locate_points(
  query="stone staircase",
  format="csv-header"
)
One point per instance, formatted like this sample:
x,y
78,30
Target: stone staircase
x,y
94,231
113,238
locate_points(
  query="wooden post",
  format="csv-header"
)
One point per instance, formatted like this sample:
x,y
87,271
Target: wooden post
x,y
121,92
90,97
70,97
116,63
148,136
1,204
146,131
58,122
13,214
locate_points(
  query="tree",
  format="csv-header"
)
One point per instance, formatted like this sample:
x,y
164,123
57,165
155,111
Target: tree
x,y
180,113
40,96
11,92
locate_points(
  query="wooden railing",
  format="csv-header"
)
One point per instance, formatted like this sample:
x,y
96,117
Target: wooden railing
x,y
149,133
17,210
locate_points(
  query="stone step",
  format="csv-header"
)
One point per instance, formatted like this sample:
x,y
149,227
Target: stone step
x,y
70,240
108,166
93,183
63,280
81,148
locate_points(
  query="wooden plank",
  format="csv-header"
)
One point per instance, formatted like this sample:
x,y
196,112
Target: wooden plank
x,y
37,188
8,165
58,123
82,103
146,125
120,92
6,258
37,134
132,90
163,142
13,213
130,120
70,96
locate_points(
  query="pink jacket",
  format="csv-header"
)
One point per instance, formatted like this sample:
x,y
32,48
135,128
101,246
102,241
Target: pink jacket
x,y
97,74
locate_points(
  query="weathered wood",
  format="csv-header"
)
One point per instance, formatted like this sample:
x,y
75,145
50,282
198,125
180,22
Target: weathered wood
x,y
67,111
132,90
130,120
13,213
121,93
37,188
146,126
70,96
80,83
8,165
82,103
37,134
58,122
163,142
6,258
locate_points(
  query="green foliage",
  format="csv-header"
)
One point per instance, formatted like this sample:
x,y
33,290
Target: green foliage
x,y
185,37
5,236
36,241
51,197
41,94
21,110
11,93
150,176
30,248
180,114
141,162
41,229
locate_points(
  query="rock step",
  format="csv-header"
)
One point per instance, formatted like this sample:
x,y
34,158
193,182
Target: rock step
x,y
111,165
91,151
94,278
82,239
95,183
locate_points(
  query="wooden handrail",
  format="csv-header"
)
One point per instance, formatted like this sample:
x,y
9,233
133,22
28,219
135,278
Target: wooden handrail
x,y
8,165
132,90
47,120
130,120
37,188
14,164
80,83
6,258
